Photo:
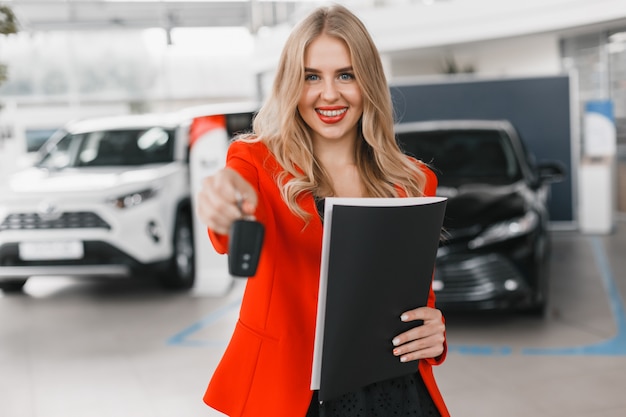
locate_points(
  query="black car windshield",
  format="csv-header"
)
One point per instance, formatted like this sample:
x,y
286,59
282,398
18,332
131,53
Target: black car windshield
x,y
462,156
110,148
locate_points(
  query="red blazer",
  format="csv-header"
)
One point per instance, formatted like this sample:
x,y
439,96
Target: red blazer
x,y
266,369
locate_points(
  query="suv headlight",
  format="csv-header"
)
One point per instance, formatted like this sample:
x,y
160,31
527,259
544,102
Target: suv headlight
x,y
133,199
506,230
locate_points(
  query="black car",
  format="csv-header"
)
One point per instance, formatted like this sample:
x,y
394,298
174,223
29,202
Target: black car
x,y
495,241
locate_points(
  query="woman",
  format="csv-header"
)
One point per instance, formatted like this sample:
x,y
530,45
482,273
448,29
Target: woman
x,y
326,130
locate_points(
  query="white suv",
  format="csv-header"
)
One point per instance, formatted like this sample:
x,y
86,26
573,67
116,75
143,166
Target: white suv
x,y
109,197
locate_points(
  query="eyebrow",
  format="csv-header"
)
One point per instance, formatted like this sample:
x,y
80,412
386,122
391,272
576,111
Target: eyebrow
x,y
345,69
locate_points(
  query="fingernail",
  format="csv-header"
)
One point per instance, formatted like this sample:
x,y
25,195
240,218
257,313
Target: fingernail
x,y
395,341
404,317
396,352
403,359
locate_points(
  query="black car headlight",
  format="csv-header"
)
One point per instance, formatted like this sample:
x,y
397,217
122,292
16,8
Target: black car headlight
x,y
133,199
506,230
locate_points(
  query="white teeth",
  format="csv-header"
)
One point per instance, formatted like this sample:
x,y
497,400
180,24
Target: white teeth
x,y
332,113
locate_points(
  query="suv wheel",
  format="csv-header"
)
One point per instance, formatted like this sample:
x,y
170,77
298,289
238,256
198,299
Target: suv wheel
x,y
181,270
13,285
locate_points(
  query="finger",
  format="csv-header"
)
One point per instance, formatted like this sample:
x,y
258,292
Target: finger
x,y
429,347
421,313
430,327
215,202
242,188
421,347
214,218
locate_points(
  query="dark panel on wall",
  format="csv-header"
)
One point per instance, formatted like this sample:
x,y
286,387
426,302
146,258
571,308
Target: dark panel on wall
x,y
539,107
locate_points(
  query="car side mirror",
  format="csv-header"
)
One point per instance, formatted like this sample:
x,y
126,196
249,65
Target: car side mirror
x,y
551,172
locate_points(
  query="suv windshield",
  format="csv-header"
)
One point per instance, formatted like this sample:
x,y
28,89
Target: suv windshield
x,y
110,148
465,155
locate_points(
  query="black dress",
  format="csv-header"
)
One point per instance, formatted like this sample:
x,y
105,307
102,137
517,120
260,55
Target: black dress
x,y
397,397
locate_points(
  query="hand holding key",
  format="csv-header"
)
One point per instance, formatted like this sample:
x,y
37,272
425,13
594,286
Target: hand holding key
x,y
226,204
216,203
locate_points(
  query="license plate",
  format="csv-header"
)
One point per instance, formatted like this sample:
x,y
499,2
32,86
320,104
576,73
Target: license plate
x,y
46,251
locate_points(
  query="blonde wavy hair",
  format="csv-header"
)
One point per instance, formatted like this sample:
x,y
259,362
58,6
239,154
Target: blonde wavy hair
x,y
381,163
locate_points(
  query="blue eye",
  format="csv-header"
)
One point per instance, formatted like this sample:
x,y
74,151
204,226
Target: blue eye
x,y
346,76
311,77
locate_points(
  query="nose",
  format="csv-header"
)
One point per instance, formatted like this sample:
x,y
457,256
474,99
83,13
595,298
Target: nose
x,y
329,90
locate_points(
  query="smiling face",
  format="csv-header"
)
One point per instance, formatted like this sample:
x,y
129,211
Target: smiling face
x,y
331,102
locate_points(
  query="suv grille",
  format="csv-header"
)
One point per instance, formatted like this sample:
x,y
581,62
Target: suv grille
x,y
32,221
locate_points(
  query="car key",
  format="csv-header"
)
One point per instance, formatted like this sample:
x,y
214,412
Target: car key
x,y
245,243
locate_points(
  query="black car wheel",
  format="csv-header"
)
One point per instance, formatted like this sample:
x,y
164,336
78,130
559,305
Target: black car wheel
x,y
181,270
539,304
12,285
541,285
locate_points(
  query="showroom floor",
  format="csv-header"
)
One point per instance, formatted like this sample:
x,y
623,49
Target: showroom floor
x,y
126,349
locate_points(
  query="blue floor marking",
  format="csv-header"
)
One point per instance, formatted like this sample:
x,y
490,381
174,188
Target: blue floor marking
x,y
183,337
612,347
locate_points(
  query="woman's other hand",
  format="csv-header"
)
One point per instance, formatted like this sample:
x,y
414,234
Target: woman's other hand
x,y
217,202
421,342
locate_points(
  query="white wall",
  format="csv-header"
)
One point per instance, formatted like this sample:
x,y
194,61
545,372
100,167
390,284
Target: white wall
x,y
519,56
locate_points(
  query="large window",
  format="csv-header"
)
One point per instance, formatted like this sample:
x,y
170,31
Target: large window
x,y
599,60
464,155
111,148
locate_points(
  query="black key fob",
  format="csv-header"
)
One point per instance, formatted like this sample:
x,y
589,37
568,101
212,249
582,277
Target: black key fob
x,y
244,250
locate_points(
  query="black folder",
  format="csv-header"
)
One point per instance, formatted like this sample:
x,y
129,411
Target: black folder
x,y
378,257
